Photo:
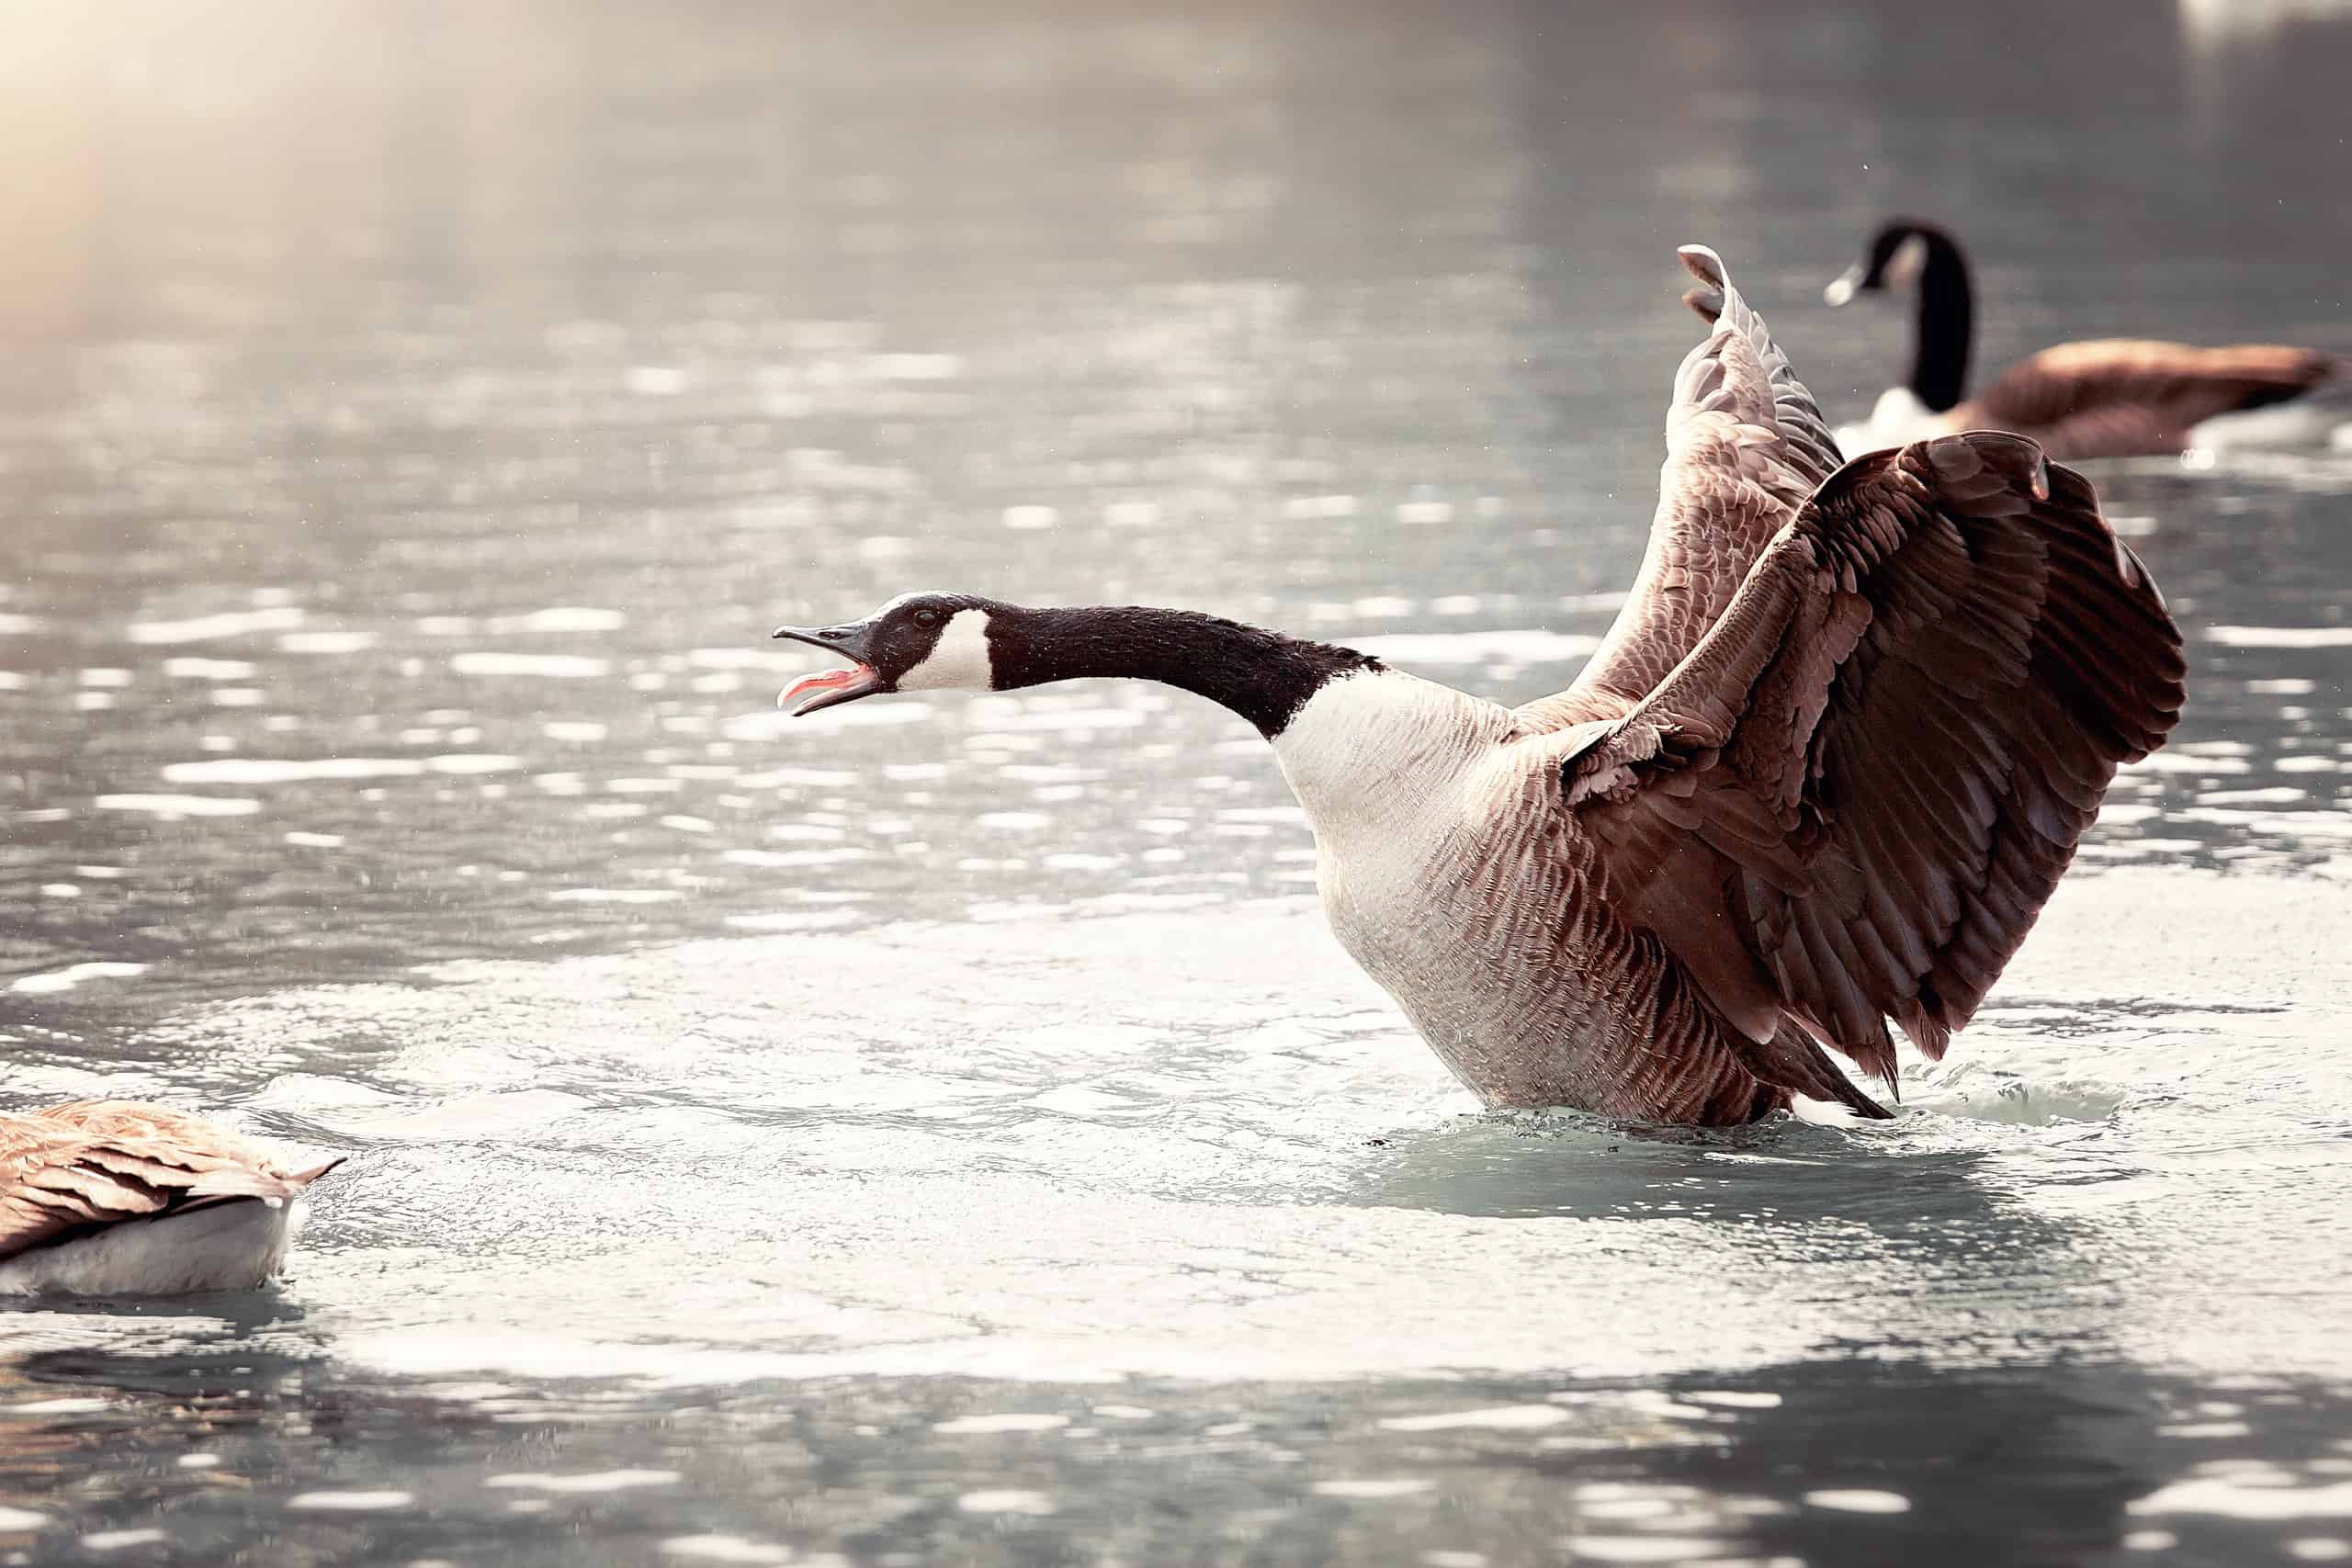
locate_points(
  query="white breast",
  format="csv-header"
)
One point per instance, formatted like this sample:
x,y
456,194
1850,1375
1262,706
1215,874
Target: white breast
x,y
1395,773
1897,419
1370,750
1421,799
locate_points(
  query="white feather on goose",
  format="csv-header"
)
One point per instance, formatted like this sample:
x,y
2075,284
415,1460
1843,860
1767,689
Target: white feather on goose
x,y
1822,772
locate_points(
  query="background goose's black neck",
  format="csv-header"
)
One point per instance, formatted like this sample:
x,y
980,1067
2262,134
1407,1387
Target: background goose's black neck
x,y
1263,676
1947,323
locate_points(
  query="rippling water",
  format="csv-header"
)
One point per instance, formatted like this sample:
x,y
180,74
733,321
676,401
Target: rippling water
x,y
942,1129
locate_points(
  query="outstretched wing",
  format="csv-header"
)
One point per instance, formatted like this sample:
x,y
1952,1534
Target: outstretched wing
x,y
1744,446
1874,768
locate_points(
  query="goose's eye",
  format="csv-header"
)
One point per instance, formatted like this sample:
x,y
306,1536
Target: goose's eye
x,y
927,618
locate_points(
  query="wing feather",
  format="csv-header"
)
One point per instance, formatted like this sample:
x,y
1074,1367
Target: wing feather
x,y
1923,688
71,1169
2117,397
1746,444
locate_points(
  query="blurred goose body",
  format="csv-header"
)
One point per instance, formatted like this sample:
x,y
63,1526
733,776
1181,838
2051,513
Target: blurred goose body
x,y
1823,772
2100,397
116,1198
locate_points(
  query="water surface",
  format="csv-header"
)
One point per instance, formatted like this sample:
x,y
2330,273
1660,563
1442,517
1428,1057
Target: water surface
x,y
942,1129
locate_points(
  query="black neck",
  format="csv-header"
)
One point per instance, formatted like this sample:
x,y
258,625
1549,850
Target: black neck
x,y
1263,676
1947,323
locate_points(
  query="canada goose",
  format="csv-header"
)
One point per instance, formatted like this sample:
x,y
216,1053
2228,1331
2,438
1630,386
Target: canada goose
x,y
2106,398
108,1197
1824,771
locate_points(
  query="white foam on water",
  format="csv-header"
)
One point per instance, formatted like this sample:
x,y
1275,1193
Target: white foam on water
x,y
1010,1421
115,1540
584,1482
267,771
769,724
348,1502
1505,1417
554,666
724,1548
179,805
2261,1495
1036,1505
1857,1500
562,618
212,629
2281,636
326,642
65,979
55,1407
1235,1161
615,895
1373,1489
1645,1548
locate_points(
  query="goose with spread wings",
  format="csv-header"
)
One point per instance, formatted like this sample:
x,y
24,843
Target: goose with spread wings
x,y
1819,779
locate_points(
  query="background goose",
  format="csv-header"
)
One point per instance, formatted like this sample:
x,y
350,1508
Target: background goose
x,y
2105,397
1824,772
115,1198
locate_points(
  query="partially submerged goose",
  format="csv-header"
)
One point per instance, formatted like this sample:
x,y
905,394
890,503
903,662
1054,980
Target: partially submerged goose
x,y
2105,397
114,1198
1823,772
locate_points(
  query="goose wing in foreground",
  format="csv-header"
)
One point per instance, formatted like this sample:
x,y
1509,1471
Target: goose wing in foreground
x,y
1746,445
1876,766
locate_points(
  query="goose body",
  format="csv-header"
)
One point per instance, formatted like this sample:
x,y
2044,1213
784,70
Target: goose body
x,y
2098,397
1823,772
116,1198
1445,867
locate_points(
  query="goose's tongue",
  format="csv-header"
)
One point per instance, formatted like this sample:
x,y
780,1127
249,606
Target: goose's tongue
x,y
822,681
827,687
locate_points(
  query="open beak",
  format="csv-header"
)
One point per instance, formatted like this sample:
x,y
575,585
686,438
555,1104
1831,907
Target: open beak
x,y
829,688
1845,286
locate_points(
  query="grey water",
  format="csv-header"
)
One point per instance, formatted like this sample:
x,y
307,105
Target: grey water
x,y
941,1130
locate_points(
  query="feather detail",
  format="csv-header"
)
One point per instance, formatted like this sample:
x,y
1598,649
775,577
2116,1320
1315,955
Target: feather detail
x,y
68,1172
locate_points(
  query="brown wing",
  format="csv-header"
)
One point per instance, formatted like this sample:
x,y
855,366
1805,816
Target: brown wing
x,y
1744,446
2127,397
72,1168
1880,761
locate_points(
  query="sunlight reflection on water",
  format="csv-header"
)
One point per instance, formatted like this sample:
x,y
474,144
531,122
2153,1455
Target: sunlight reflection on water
x,y
410,432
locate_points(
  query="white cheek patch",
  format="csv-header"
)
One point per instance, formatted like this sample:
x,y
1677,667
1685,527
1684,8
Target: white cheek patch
x,y
959,661
1909,260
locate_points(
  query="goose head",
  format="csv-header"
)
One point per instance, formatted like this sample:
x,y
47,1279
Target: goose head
x,y
1897,255
916,642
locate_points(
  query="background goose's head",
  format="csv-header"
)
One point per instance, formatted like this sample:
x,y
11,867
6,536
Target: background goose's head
x,y
1898,256
916,642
